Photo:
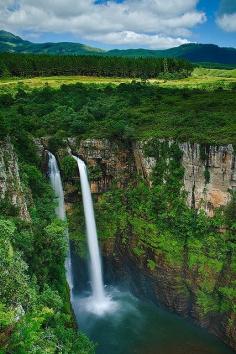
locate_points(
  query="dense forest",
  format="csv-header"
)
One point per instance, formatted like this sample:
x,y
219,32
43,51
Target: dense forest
x,y
135,110
28,65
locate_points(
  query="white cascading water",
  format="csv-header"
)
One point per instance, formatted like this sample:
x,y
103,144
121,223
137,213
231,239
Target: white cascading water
x,y
99,302
95,259
55,179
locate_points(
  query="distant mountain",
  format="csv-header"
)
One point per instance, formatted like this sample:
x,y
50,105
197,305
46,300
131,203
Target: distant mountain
x,y
14,44
196,53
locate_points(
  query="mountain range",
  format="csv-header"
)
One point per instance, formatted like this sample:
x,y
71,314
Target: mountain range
x,y
196,53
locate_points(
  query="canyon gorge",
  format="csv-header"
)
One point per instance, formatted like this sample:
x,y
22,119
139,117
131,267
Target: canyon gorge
x,y
192,279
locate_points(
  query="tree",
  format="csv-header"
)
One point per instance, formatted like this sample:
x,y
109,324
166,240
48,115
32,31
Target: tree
x,y
69,167
13,276
4,72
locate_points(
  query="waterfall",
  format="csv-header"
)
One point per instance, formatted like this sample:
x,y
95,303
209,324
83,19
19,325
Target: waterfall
x,y
100,302
55,179
95,259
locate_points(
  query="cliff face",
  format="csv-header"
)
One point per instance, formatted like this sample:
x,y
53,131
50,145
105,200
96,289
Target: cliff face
x,y
11,190
108,162
209,173
174,286
209,178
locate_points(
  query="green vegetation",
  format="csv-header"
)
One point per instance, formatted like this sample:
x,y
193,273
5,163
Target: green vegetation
x,y
135,110
35,312
207,54
190,243
204,72
204,79
11,43
68,167
26,65
215,66
201,78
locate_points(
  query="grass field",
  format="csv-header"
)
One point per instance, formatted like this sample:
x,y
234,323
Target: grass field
x,y
57,81
208,79
203,72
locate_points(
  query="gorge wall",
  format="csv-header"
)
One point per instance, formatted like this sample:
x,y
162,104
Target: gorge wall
x,y
209,171
12,193
209,180
194,281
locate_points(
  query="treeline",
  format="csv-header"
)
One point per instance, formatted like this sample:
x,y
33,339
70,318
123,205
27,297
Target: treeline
x,y
30,65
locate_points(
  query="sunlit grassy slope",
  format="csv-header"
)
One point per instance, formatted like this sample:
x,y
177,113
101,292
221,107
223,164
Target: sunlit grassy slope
x,y
204,72
208,79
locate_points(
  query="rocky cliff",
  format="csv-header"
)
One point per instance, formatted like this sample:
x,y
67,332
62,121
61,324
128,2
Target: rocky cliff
x,y
193,284
11,188
112,161
174,286
209,173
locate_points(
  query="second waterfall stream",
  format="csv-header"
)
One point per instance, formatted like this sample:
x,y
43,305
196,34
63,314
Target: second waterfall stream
x,y
55,179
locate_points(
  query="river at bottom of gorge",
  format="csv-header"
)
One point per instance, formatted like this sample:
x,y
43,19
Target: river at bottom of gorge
x,y
133,326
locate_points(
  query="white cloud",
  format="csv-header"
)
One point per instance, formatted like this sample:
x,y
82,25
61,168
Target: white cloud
x,y
134,39
227,22
150,23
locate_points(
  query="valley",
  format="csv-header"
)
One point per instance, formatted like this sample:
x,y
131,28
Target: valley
x,y
161,164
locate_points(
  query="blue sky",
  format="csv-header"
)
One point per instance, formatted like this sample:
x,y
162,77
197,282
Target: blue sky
x,y
210,32
155,24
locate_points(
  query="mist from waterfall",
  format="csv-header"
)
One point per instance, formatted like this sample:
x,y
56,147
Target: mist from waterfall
x,y
99,302
55,179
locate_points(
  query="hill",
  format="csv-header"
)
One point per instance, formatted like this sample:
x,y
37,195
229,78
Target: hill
x,y
196,53
14,44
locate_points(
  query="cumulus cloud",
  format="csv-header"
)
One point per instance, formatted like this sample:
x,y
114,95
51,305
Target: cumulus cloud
x,y
227,22
134,39
226,18
150,23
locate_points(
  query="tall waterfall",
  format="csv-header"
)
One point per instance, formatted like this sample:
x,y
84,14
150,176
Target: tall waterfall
x,y
98,292
55,178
